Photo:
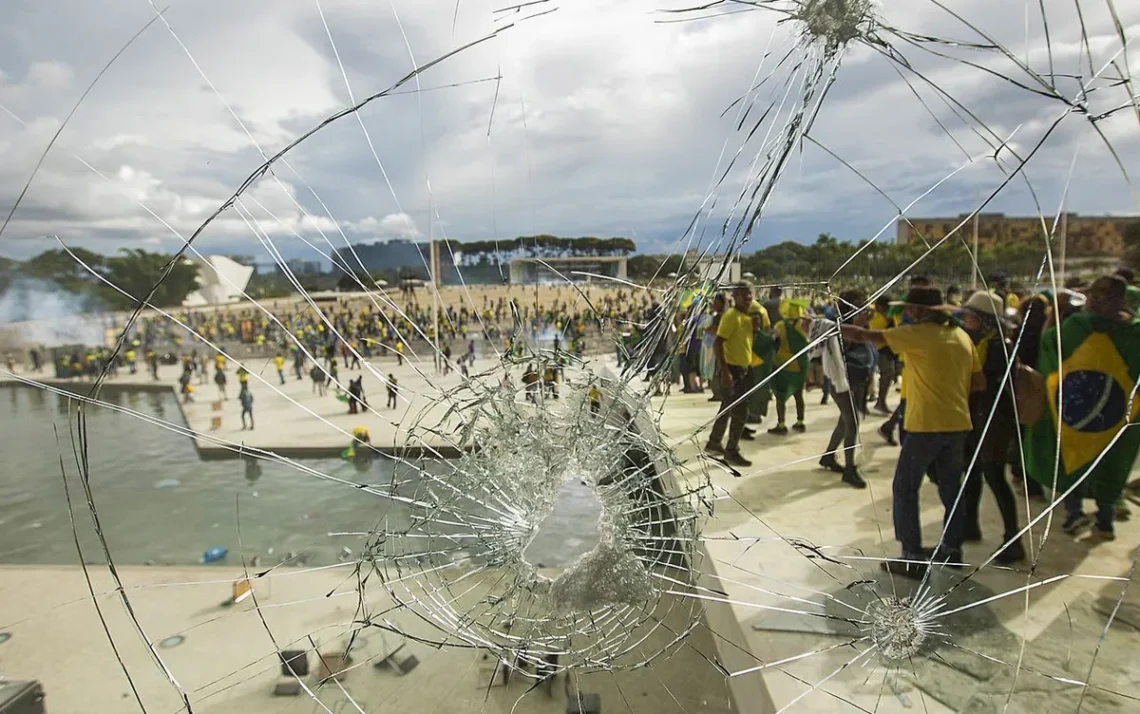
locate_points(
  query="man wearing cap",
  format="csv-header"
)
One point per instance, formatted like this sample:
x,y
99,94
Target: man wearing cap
x,y
942,370
733,347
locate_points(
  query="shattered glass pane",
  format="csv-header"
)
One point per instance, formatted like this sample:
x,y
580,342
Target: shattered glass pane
x,y
539,517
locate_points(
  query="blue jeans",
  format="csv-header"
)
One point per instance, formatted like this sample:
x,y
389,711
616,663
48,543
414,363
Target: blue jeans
x,y
943,455
1105,511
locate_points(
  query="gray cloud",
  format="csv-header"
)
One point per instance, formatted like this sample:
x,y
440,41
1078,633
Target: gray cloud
x,y
605,123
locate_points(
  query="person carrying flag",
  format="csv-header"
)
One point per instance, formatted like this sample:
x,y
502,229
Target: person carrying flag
x,y
791,364
1090,389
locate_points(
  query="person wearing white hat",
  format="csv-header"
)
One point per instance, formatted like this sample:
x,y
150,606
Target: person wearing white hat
x,y
994,416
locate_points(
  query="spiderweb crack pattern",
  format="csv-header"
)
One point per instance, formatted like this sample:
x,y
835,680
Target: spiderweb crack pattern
x,y
453,567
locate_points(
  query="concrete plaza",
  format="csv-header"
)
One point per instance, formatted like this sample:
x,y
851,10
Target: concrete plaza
x,y
789,546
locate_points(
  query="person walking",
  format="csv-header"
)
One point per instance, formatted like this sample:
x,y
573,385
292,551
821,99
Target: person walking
x,y
846,372
279,363
733,348
790,365
356,399
246,399
220,380
942,370
989,442
393,391
318,376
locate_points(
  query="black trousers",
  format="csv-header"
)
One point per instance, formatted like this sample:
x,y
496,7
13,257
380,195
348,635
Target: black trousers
x,y
993,473
734,408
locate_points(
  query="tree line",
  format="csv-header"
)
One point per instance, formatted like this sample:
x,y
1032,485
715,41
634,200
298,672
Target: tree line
x,y
134,272
876,262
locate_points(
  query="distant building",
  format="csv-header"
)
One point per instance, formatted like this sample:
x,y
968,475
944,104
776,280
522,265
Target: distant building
x,y
712,267
220,281
300,267
377,256
1086,235
525,271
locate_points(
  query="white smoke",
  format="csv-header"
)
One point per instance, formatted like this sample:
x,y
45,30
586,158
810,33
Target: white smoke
x,y
40,313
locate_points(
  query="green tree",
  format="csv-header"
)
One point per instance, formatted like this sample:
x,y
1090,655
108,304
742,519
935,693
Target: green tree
x,y
60,267
136,272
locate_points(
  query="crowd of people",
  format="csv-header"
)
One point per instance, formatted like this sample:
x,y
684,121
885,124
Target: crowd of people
x,y
986,385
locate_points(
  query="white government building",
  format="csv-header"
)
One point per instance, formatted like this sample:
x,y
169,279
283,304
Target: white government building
x,y
220,281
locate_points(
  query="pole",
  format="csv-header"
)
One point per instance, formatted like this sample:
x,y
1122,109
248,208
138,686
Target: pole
x,y
977,267
435,298
1064,239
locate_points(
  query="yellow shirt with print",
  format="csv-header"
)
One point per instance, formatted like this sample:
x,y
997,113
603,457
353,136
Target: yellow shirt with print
x,y
735,329
940,361
879,321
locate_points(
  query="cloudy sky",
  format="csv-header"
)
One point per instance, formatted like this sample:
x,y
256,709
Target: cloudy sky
x,y
599,118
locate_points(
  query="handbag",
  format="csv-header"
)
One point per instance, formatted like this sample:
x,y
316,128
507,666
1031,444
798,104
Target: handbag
x,y
1029,392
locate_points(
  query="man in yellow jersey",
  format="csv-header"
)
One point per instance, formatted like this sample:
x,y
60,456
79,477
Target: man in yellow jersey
x,y
942,370
733,347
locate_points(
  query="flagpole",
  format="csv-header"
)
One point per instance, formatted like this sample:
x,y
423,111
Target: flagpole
x,y
1064,239
977,267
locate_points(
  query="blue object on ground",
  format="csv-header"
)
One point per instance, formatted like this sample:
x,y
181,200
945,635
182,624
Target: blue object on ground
x,y
214,554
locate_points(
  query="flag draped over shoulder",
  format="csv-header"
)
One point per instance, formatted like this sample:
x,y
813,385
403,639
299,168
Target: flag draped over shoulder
x,y
791,373
1089,391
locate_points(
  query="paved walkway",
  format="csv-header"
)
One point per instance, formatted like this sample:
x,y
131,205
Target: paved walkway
x,y
227,660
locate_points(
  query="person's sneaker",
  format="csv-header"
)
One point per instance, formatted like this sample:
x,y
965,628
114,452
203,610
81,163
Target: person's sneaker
x,y
1099,536
882,409
778,430
888,434
1012,553
748,436
734,458
828,462
714,448
799,427
824,400
906,569
1075,524
973,535
852,478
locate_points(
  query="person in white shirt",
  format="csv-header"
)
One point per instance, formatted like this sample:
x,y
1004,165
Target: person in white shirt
x,y
847,367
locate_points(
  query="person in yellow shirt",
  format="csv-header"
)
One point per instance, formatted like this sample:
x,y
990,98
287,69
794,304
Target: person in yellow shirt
x,y
942,370
733,348
279,363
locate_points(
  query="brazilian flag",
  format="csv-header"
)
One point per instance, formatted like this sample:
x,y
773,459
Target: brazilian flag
x,y
791,373
764,347
1089,395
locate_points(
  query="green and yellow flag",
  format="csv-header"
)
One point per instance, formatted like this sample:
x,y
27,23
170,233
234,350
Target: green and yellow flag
x,y
1090,400
791,373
